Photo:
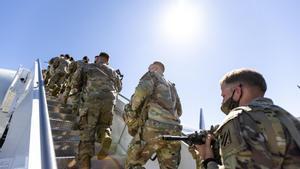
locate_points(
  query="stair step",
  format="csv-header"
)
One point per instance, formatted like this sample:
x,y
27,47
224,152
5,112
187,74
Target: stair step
x,y
110,162
49,97
62,125
61,135
60,116
56,102
53,102
60,109
62,162
69,148
65,148
65,132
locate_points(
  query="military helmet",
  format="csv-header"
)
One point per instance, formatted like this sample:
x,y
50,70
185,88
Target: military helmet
x,y
85,58
67,56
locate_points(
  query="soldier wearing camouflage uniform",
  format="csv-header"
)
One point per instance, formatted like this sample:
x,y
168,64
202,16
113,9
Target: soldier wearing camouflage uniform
x,y
58,72
46,75
50,69
157,104
99,84
71,95
255,133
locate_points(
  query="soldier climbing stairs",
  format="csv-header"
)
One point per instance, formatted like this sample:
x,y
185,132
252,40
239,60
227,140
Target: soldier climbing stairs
x,y
65,136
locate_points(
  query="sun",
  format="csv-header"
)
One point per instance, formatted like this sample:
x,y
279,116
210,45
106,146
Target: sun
x,y
181,22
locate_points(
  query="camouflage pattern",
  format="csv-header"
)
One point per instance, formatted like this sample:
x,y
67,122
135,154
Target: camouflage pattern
x,y
133,124
69,95
98,84
46,75
58,72
95,121
156,102
195,154
52,66
50,70
254,137
164,104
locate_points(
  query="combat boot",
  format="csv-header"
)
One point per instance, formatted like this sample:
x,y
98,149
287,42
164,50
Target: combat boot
x,y
72,164
85,163
55,92
105,147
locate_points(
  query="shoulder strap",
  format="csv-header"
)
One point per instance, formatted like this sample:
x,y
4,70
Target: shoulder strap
x,y
173,90
289,124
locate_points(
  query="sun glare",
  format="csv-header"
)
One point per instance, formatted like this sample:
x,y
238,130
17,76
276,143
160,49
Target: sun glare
x,y
181,22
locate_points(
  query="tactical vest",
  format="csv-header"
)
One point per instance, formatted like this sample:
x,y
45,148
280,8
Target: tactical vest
x,y
164,93
160,109
267,120
163,98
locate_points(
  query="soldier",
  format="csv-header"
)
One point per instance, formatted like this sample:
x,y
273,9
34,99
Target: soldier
x,y
99,84
156,105
255,133
58,73
72,96
51,68
46,75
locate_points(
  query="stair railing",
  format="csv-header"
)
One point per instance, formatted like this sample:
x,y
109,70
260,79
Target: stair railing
x,y
41,148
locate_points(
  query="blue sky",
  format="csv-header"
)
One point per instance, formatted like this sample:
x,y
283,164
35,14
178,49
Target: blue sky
x,y
197,40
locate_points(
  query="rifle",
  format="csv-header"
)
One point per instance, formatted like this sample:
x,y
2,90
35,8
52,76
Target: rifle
x,y
194,138
119,74
198,138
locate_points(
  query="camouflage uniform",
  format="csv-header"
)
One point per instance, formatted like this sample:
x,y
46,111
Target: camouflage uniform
x,y
71,95
260,135
99,84
196,156
58,72
46,75
160,113
50,71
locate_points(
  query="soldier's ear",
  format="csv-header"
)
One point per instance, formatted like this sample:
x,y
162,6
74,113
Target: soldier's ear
x,y
238,92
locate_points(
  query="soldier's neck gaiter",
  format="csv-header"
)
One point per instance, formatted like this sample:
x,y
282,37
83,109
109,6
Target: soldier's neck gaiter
x,y
230,103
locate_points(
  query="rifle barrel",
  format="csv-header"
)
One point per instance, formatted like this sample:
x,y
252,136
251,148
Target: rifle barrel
x,y
175,138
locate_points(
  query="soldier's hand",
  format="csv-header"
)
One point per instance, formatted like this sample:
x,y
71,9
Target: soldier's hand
x,y
128,111
193,150
205,150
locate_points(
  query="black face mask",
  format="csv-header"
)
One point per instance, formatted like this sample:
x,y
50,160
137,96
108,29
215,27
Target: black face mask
x,y
230,104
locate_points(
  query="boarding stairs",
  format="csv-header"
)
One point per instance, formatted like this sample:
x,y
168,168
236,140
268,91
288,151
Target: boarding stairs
x,y
65,135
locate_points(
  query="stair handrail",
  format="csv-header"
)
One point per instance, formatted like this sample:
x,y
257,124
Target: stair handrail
x,y
41,149
124,127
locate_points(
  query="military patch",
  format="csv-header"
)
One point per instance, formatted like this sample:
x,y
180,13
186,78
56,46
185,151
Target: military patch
x,y
231,140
